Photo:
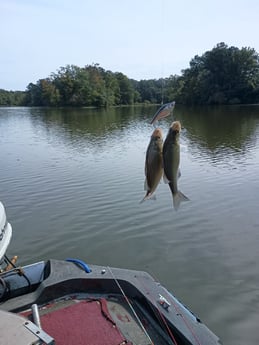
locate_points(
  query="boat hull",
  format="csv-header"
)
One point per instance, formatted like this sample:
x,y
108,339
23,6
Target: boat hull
x,y
136,292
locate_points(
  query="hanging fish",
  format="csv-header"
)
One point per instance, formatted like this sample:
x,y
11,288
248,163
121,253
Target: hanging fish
x,y
153,163
163,111
171,160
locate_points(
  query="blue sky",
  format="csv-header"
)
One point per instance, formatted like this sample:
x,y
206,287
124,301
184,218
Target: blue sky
x,y
143,39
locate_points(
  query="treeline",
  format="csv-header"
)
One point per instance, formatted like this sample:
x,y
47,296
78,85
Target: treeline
x,y
9,98
87,86
223,75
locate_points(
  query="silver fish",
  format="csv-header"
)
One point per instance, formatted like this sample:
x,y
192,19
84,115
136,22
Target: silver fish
x,y
171,161
162,112
153,163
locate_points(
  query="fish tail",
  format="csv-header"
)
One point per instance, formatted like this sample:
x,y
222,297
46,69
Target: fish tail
x,y
178,198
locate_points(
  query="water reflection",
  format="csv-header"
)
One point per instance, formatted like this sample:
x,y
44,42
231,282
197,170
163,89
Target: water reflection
x,y
223,135
207,128
95,122
89,127
218,132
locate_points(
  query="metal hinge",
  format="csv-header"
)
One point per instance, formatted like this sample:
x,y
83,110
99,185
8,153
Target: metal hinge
x,y
38,332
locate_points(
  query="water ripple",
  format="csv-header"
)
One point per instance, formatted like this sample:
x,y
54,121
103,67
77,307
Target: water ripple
x,y
72,182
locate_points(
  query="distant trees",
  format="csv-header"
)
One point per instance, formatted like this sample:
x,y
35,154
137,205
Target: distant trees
x,y
223,75
87,86
9,98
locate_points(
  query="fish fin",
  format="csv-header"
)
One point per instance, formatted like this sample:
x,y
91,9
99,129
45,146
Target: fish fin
x,y
148,196
152,197
165,179
145,185
178,198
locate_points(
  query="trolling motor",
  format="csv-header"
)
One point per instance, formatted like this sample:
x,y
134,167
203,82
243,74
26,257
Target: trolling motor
x,y
5,238
9,285
5,233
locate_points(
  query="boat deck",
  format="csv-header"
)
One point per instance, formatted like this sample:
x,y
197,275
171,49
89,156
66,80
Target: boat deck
x,y
97,321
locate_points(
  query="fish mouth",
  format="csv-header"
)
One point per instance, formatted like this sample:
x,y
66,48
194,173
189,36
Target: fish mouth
x,y
157,133
176,126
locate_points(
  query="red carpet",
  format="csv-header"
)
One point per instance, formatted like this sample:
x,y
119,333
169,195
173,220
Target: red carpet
x,y
83,323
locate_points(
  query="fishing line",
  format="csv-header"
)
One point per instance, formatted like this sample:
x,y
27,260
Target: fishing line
x,y
167,327
131,307
178,311
162,319
163,44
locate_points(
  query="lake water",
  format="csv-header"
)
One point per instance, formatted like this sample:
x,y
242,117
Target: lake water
x,y
72,179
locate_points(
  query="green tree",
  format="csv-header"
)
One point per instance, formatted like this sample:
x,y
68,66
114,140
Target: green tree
x,y
112,89
65,82
50,95
152,90
8,98
98,90
33,95
172,87
222,75
126,89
